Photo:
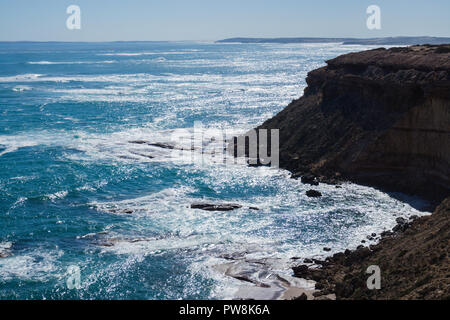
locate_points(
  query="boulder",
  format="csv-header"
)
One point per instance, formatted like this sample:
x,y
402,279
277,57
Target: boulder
x,y
402,225
302,297
301,271
309,179
313,194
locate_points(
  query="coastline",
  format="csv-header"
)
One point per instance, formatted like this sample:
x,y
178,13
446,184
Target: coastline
x,y
378,118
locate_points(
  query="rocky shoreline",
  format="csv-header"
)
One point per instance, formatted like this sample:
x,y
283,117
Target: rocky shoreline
x,y
379,118
413,260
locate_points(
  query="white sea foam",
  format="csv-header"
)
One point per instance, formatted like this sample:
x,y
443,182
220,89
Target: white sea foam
x,y
148,53
13,143
70,62
212,79
21,88
5,247
28,77
57,195
256,235
127,54
42,62
37,265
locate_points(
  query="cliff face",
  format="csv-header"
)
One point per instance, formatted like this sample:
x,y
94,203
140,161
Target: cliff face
x,y
414,264
378,117
382,118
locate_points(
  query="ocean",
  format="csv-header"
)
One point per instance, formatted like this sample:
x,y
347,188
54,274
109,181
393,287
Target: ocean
x,y
95,192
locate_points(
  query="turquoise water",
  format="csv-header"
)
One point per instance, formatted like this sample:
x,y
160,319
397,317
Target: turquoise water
x,y
69,172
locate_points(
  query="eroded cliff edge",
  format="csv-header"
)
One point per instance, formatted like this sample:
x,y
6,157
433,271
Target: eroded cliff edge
x,y
378,117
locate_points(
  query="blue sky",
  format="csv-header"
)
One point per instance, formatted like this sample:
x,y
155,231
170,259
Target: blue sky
x,y
110,20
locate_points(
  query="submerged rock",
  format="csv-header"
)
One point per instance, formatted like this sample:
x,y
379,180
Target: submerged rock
x,y
161,145
5,249
124,211
233,256
218,206
215,206
138,142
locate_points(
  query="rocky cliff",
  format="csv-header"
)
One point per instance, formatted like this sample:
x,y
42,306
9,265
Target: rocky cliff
x,y
378,117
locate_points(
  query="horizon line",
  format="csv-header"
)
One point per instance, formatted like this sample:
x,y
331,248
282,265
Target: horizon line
x,y
210,40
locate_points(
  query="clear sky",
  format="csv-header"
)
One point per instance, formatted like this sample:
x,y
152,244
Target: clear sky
x,y
111,20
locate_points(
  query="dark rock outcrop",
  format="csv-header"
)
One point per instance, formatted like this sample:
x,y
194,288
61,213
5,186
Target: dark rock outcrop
x,y
127,211
313,194
309,179
219,206
215,207
378,117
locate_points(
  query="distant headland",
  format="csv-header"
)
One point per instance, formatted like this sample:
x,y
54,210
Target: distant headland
x,y
345,41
